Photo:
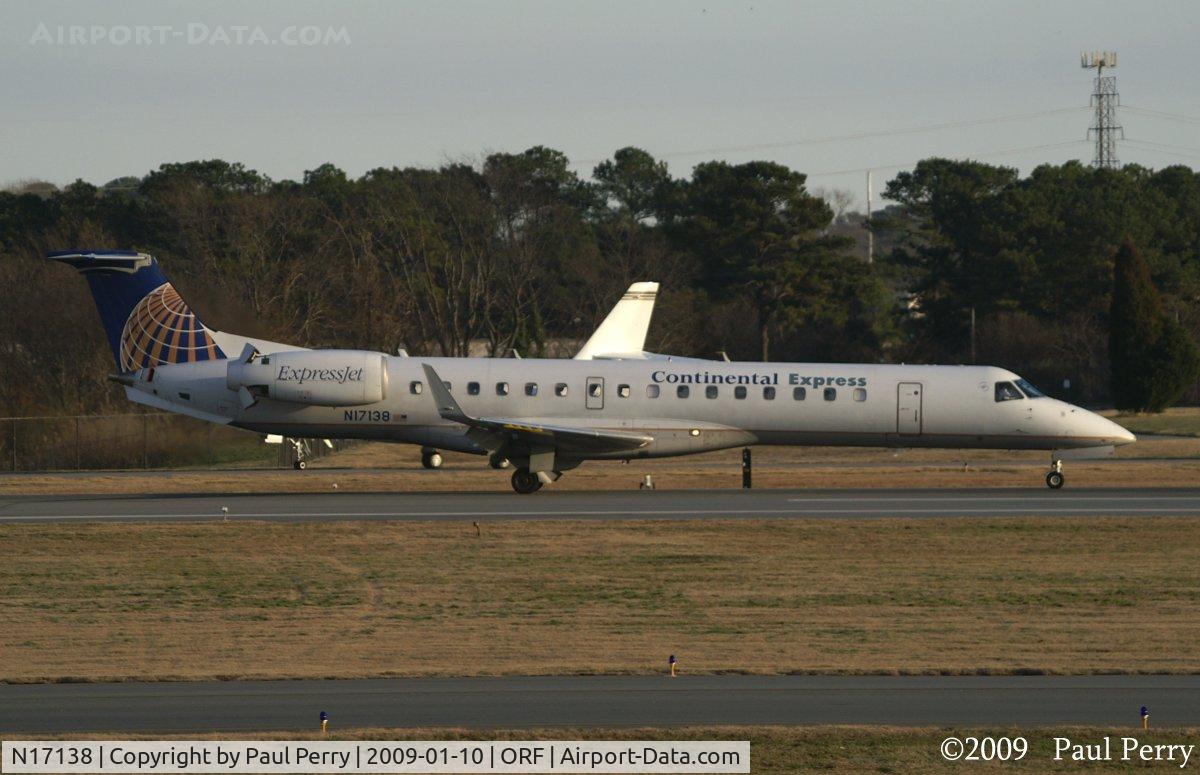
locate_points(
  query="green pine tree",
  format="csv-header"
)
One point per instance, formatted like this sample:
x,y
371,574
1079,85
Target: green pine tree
x,y
1175,365
1154,360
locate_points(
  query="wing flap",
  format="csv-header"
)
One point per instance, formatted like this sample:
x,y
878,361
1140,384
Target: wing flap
x,y
564,438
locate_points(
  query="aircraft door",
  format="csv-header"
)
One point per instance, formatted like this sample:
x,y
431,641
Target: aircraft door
x,y
595,392
908,408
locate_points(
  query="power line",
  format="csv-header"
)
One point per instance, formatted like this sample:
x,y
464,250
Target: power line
x,y
1170,150
1168,153
862,135
873,167
1171,146
1162,114
985,154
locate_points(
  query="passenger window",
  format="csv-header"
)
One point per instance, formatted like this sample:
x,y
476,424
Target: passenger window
x,y
1007,391
683,391
769,394
830,394
860,394
623,391
501,388
595,389
560,389
739,392
710,391
414,387
531,388
799,394
652,391
472,388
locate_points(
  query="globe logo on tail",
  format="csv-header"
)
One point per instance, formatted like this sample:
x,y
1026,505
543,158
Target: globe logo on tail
x,y
163,329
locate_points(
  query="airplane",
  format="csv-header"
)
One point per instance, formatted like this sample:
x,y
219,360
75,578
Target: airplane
x,y
548,416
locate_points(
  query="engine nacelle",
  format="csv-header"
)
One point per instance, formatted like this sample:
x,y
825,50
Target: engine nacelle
x,y
320,377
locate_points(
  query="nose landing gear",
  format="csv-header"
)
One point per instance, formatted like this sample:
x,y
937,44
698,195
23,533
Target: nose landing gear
x,y
1055,479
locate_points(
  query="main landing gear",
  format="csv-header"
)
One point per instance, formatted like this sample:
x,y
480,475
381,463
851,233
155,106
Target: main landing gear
x,y
430,458
1054,479
526,482
539,468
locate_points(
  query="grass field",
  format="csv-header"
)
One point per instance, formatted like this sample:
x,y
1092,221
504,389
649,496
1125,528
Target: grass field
x,y
118,441
802,749
245,599
377,467
1182,421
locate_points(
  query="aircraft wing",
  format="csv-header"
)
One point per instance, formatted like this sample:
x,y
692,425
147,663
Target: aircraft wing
x,y
496,432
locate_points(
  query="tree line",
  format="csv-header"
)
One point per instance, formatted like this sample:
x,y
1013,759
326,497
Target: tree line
x,y
519,252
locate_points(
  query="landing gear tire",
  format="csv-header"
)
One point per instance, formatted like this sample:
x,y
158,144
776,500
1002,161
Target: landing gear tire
x,y
299,465
525,481
1054,480
431,460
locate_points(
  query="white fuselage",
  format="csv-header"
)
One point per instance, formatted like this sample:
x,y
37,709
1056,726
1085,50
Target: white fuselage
x,y
727,404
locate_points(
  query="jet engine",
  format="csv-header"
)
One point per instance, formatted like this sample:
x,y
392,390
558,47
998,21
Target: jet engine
x,y
318,377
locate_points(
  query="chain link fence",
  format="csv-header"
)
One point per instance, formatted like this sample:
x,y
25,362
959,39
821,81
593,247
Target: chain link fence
x,y
138,440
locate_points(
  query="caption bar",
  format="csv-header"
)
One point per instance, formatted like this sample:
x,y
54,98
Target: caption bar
x,y
210,756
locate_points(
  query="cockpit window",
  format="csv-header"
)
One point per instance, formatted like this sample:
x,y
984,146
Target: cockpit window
x,y
1029,389
1007,391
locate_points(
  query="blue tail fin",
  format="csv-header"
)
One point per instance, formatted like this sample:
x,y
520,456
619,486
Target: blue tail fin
x,y
146,321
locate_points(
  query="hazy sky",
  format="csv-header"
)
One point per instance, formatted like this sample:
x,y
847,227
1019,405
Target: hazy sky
x,y
421,83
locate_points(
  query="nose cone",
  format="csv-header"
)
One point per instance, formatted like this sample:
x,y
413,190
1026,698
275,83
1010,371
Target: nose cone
x,y
1104,430
1123,435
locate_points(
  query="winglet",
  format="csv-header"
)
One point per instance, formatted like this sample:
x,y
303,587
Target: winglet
x,y
447,407
624,330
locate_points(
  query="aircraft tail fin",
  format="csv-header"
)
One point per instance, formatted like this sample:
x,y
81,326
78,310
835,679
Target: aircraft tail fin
x,y
623,332
146,321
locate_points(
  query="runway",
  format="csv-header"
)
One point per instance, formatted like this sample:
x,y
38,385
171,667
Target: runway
x,y
612,505
599,701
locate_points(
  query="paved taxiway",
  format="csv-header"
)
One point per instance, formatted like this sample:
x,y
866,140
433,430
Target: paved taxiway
x,y
658,504
600,701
